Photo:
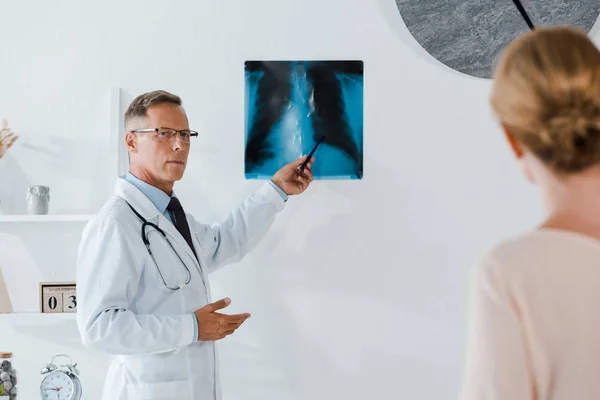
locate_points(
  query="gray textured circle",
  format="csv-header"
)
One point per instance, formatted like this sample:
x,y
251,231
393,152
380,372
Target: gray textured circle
x,y
468,35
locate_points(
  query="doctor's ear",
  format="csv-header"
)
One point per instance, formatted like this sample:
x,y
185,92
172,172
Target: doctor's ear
x,y
131,141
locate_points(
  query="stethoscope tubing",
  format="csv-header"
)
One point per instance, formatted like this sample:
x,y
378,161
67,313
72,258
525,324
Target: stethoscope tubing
x,y
145,225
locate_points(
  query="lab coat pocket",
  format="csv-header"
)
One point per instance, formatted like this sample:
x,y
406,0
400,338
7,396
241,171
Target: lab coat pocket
x,y
179,390
207,242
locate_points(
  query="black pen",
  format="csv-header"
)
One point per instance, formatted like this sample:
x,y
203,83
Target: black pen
x,y
311,153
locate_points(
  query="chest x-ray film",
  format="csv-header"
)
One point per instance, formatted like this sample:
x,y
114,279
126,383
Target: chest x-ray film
x,y
291,105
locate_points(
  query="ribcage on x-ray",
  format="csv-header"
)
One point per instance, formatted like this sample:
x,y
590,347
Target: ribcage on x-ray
x,y
273,95
313,87
328,119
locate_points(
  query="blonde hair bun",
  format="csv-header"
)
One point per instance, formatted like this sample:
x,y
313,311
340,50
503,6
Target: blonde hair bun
x,y
571,140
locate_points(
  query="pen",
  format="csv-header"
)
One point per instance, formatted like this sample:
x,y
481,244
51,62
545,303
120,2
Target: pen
x,y
311,153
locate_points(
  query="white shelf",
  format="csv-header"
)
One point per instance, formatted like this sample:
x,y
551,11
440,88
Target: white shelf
x,y
38,316
46,218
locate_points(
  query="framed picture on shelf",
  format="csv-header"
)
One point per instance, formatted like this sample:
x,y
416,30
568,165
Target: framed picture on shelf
x,y
5,303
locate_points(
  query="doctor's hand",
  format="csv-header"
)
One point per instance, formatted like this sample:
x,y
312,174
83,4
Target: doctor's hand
x,y
291,180
213,325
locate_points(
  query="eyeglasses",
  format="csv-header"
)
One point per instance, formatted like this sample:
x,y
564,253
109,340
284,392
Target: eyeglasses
x,y
168,134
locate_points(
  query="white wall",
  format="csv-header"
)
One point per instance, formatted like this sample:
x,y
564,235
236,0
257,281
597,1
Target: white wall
x,y
359,290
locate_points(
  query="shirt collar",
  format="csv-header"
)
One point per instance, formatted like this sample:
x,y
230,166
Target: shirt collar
x,y
159,198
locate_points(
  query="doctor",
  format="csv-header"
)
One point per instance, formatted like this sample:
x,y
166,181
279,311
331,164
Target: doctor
x,y
143,263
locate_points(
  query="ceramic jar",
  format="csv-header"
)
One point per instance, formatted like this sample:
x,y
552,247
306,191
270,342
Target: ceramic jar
x,y
38,200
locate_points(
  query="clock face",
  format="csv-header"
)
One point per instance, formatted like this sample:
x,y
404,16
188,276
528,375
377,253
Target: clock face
x,y
57,386
468,35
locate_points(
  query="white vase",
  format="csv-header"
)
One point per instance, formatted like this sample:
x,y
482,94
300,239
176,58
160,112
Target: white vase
x,y
38,200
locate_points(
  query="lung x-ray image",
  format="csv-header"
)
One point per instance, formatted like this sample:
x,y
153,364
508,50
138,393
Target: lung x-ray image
x,y
292,105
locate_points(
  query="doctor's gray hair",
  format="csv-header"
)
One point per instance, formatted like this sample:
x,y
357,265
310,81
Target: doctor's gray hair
x,y
140,105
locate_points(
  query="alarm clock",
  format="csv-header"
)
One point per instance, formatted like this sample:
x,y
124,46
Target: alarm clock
x,y
60,382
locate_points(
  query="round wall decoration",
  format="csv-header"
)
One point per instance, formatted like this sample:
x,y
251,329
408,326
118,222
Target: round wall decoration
x,y
468,35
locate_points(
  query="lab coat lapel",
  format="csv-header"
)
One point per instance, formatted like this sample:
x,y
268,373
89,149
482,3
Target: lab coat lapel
x,y
146,208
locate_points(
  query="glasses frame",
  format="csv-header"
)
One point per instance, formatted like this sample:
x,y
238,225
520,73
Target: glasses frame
x,y
177,131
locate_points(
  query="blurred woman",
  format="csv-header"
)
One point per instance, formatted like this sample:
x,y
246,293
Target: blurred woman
x,y
535,300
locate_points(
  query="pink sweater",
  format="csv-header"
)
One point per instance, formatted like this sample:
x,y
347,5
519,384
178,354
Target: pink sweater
x,y
535,320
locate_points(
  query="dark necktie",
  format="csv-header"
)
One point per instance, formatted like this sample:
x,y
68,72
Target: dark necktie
x,y
180,221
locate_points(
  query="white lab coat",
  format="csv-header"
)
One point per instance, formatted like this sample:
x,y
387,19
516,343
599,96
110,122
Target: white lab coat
x,y
124,309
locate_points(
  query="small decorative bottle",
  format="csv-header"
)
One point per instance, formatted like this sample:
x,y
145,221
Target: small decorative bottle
x,y
8,378
38,199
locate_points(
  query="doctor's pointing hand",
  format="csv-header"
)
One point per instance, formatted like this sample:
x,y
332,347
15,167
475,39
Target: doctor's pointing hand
x,y
143,263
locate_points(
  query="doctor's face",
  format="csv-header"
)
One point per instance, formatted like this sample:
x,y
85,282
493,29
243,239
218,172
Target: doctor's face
x,y
159,161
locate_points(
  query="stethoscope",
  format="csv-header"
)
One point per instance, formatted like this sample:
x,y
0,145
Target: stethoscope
x,y
146,224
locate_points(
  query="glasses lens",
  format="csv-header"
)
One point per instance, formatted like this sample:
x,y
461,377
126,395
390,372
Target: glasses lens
x,y
164,135
185,135
167,134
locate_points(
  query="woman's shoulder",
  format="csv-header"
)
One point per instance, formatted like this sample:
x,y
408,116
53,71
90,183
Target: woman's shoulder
x,y
548,239
540,248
